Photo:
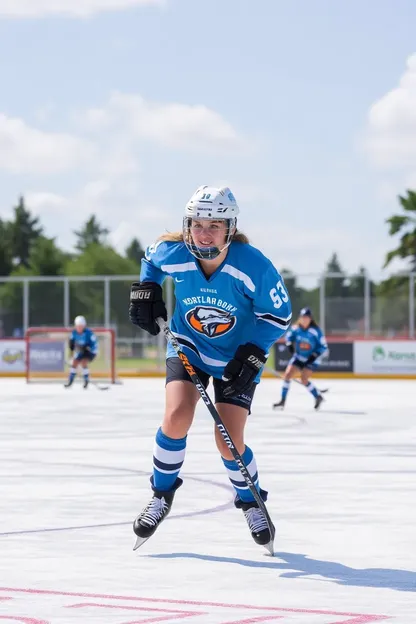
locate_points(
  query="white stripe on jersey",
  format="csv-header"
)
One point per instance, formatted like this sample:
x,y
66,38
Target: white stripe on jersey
x,y
243,277
185,341
179,268
282,323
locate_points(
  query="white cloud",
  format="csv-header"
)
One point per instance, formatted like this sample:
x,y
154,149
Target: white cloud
x,y
390,139
68,8
27,150
181,126
104,160
117,207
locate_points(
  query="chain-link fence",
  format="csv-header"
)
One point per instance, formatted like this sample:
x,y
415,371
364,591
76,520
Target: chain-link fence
x,y
349,306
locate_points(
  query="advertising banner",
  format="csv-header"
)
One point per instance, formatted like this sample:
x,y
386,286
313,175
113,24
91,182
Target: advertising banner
x,y
385,357
47,356
339,360
12,356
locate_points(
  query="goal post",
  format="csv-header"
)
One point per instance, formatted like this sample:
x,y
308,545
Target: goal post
x,y
47,354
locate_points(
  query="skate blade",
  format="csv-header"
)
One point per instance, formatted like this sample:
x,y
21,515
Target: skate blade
x,y
270,547
139,542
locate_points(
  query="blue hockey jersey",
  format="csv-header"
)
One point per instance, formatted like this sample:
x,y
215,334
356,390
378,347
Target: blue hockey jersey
x,y
245,300
307,342
78,342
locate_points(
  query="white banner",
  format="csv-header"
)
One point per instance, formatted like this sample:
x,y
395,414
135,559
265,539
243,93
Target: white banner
x,y
385,357
12,356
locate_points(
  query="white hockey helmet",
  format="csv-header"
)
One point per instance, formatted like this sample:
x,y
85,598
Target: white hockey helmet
x,y
212,203
80,321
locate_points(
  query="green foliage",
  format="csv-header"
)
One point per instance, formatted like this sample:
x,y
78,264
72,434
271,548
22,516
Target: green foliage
x,y
87,298
300,297
406,225
134,251
6,259
91,233
26,251
23,230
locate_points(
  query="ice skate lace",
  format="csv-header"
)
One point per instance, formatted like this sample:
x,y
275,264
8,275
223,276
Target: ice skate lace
x,y
255,519
154,511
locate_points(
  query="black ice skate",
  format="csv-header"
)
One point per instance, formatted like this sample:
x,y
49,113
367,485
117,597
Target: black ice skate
x,y
257,522
154,513
86,382
319,399
280,404
69,383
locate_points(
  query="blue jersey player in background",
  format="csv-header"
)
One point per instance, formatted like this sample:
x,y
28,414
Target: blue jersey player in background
x,y
83,348
231,307
307,344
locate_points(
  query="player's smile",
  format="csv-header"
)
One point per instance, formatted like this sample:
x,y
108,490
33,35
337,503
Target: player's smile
x,y
209,233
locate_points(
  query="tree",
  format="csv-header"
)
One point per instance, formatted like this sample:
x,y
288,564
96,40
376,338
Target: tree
x,y
405,223
91,233
46,258
135,251
87,298
6,260
300,297
24,230
344,309
46,297
335,285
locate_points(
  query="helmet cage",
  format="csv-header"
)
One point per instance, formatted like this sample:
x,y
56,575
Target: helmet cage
x,y
207,253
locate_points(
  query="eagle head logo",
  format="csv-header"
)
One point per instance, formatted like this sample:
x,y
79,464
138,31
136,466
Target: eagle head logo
x,y
211,322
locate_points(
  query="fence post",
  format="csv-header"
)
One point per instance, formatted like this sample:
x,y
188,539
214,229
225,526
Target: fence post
x,y
367,305
322,303
67,321
412,305
25,304
107,304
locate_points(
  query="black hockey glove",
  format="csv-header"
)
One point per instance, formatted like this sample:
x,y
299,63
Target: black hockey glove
x,y
311,359
290,348
241,371
146,305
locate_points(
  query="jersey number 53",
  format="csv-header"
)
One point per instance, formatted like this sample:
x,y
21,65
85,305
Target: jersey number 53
x,y
279,295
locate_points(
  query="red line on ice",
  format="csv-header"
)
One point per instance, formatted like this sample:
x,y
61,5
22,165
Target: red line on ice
x,y
354,618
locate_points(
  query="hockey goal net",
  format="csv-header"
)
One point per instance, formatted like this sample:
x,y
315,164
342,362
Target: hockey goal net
x,y
47,354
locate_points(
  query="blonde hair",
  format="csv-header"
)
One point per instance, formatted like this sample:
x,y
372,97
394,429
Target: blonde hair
x,y
177,237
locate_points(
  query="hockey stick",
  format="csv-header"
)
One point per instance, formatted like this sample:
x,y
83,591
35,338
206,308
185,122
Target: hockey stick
x,y
170,337
277,374
99,385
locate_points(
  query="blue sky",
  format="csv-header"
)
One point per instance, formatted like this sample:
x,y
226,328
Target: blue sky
x,y
306,109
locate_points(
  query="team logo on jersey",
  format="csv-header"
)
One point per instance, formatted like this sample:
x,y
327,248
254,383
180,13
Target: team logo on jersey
x,y
212,322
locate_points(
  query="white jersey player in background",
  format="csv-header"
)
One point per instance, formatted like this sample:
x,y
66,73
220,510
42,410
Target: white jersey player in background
x,y
231,307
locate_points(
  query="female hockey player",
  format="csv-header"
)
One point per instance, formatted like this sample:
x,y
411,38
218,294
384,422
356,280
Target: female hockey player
x,y
306,343
231,306
83,343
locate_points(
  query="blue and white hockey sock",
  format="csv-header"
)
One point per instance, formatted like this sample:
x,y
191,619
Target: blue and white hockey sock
x,y
72,374
168,457
312,389
86,373
236,478
285,389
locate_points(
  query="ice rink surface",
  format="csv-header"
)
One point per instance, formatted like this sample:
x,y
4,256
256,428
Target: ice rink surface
x,y
75,466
